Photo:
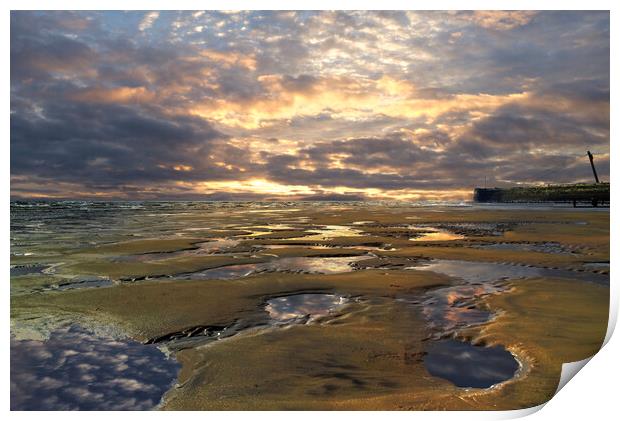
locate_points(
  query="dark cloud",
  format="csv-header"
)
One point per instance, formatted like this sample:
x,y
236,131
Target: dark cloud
x,y
518,129
112,144
39,57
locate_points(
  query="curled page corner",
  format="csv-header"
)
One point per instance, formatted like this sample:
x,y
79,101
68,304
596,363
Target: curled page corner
x,y
613,316
569,370
519,413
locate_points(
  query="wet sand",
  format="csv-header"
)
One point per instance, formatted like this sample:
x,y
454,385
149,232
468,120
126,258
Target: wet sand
x,y
335,307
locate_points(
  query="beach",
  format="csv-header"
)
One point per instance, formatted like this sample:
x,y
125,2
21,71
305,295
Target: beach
x,y
301,305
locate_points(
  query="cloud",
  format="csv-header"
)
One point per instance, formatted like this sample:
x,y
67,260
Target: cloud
x,y
350,99
303,104
148,21
120,95
502,20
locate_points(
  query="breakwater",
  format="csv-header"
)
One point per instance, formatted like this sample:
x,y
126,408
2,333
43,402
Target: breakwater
x,y
593,194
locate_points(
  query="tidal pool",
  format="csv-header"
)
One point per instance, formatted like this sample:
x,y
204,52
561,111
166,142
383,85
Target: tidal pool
x,y
548,247
287,246
597,265
260,230
215,245
82,282
330,231
467,365
303,306
485,272
323,265
452,308
20,270
386,247
478,228
435,234
77,370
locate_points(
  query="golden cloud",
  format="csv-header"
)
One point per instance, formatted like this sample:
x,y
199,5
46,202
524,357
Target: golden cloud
x,y
230,59
344,97
274,189
501,19
120,95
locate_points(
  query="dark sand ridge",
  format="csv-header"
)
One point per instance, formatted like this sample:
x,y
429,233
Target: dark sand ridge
x,y
188,263
164,245
151,309
91,264
137,246
133,270
353,349
103,264
460,250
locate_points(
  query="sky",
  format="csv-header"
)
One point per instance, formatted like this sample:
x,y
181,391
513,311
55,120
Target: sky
x,y
285,105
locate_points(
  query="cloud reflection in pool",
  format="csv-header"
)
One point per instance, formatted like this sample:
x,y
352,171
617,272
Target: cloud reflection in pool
x,y
302,306
467,365
77,370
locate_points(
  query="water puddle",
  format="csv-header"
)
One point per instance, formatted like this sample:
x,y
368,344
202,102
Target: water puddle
x,y
216,245
25,253
258,230
387,247
549,247
273,210
77,370
288,246
225,272
330,231
322,265
434,234
450,309
467,365
597,265
478,229
20,270
453,308
485,272
306,307
273,227
82,282
383,247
